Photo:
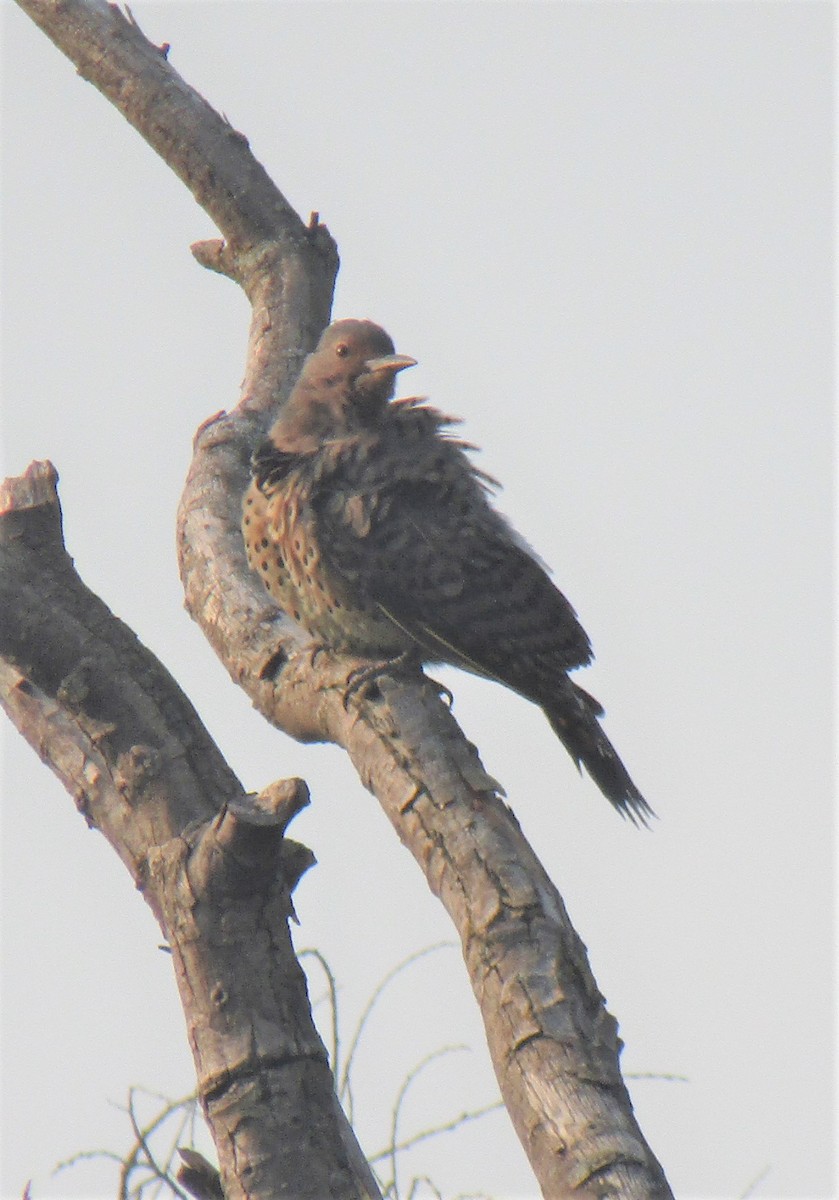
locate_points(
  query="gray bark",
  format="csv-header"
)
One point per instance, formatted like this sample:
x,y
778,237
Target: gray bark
x,y
211,861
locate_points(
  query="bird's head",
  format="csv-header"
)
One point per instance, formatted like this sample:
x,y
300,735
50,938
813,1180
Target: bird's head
x,y
344,386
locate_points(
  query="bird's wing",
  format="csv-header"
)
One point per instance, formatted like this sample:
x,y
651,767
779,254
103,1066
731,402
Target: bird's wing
x,y
444,566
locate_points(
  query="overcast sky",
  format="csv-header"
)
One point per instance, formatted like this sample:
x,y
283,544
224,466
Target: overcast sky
x,y
604,230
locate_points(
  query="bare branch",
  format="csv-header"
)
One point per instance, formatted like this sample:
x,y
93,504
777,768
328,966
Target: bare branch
x,y
103,713
212,158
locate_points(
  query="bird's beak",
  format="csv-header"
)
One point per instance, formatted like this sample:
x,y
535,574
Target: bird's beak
x,y
390,363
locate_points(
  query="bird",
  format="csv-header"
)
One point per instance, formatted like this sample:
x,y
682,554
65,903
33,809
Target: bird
x,y
372,528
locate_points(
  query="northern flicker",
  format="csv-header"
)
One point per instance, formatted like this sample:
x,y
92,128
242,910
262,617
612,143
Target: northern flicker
x,y
372,529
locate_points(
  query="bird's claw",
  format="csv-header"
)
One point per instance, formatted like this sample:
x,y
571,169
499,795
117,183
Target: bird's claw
x,y
362,678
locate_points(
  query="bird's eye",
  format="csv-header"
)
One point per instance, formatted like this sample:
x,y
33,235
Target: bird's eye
x,y
342,349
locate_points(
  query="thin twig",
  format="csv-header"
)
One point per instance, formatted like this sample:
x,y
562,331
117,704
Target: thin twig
x,y
142,1136
447,1127
331,983
85,1156
388,979
397,1108
423,1179
756,1182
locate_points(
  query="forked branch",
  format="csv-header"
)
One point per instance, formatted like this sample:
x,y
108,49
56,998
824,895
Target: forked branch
x,y
554,1046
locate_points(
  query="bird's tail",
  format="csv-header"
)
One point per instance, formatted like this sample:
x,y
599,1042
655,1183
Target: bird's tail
x,y
574,719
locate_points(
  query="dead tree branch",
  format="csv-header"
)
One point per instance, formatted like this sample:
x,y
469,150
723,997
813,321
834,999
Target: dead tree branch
x,y
111,722
554,1046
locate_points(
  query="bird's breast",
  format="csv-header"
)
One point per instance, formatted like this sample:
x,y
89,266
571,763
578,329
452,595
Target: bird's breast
x,y
283,548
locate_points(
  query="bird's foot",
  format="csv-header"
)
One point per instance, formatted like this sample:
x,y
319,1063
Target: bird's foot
x,y
364,679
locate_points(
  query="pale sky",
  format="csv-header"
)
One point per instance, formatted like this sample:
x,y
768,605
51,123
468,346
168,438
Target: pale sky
x,y
604,230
